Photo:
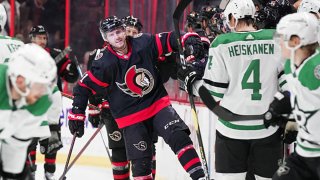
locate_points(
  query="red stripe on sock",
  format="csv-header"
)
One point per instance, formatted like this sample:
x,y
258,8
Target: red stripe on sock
x,y
50,161
191,163
33,153
120,163
121,176
183,150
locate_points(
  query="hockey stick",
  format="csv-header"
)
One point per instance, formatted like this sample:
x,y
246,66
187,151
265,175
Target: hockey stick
x,y
222,112
63,53
63,176
82,150
176,18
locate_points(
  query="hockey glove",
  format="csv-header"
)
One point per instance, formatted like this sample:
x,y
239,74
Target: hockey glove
x,y
94,117
76,123
193,46
52,144
290,132
187,75
278,107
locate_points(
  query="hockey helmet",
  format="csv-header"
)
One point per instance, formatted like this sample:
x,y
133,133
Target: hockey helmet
x,y
239,10
3,17
34,64
37,30
303,24
109,24
310,6
132,21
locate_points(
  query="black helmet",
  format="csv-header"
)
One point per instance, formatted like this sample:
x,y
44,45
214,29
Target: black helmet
x,y
132,21
110,23
37,30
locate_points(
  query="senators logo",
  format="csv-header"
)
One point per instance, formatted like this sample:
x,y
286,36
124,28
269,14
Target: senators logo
x,y
138,82
115,136
141,146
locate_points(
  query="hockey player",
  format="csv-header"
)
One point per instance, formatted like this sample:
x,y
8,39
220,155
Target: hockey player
x,y
133,26
242,72
26,86
125,71
120,164
66,70
296,35
7,44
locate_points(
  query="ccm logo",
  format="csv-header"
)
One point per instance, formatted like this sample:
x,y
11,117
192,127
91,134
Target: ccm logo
x,y
171,123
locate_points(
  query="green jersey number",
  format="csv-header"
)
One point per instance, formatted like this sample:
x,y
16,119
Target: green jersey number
x,y
255,85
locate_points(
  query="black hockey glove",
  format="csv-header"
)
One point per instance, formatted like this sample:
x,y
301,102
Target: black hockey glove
x,y
278,107
53,143
193,46
187,75
76,122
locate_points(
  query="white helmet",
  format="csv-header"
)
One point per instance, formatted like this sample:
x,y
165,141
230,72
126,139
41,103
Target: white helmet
x,y
3,17
303,24
239,9
34,64
310,6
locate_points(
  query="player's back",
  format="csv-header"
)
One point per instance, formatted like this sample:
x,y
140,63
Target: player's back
x,y
252,64
8,45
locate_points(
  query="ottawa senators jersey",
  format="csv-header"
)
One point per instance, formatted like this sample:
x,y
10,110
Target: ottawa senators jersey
x,y
131,82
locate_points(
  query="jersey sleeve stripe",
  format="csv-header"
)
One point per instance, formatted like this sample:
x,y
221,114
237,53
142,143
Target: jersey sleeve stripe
x,y
216,84
169,48
85,86
280,74
159,46
216,94
97,81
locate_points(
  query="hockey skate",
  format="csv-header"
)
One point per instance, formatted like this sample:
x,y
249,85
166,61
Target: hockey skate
x,y
49,176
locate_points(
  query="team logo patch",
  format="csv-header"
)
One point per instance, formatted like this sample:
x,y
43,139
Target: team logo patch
x,y
115,136
316,71
98,56
141,146
138,82
283,170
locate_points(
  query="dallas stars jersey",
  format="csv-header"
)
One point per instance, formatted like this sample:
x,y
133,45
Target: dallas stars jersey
x,y
242,71
22,122
304,86
7,46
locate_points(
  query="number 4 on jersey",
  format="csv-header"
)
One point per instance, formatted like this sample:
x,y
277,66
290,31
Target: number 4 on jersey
x,y
255,85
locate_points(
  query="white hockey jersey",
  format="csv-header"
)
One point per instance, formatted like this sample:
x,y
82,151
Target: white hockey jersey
x,y
243,72
23,122
304,86
7,46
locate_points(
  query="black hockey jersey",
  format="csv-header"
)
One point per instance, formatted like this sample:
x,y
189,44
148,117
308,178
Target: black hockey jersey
x,y
131,82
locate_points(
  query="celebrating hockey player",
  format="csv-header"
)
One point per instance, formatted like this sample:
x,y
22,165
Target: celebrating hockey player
x,y
125,71
7,44
242,72
66,70
120,164
27,81
296,35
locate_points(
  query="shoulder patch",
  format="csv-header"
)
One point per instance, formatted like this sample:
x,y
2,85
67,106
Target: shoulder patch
x,y
316,71
99,54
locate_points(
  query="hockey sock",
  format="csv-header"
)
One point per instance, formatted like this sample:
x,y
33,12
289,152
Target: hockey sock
x,y
50,163
182,145
153,163
120,164
141,169
31,160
